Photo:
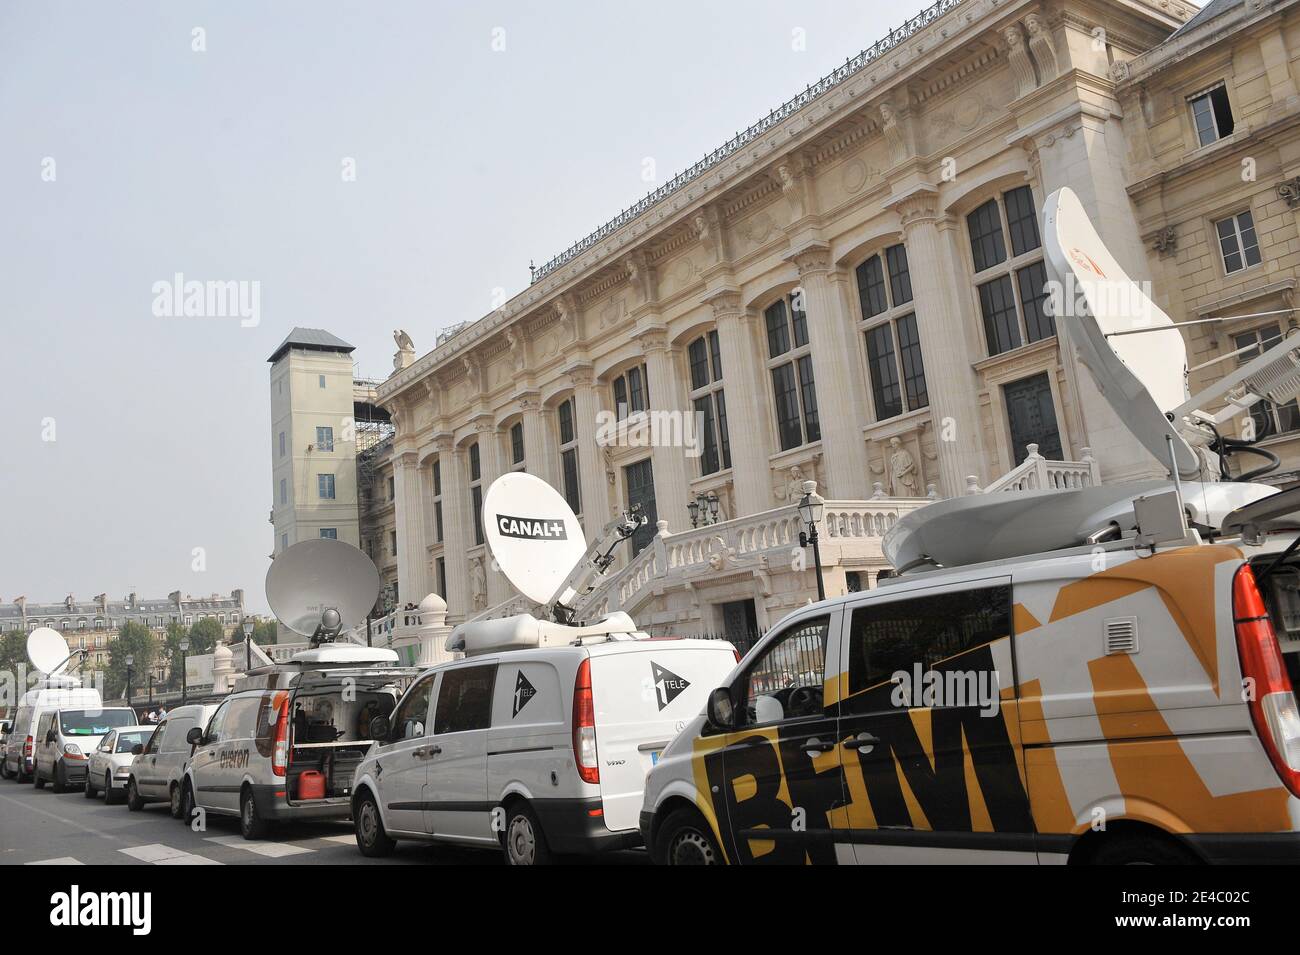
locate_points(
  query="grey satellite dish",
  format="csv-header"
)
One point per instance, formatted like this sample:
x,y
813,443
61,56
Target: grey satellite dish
x,y
533,534
47,650
314,577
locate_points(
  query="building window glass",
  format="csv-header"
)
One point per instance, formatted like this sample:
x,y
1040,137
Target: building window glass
x,y
517,443
631,393
442,575
1238,242
794,392
325,486
437,501
392,488
894,364
476,492
284,491
1012,300
709,402
325,439
392,543
1212,115
322,381
282,444
330,533
569,456
1269,419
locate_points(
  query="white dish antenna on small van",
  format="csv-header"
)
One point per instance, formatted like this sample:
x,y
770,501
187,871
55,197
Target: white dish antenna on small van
x,y
1135,352
319,575
47,650
533,535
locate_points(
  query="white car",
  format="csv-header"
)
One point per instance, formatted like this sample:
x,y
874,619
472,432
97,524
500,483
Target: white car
x,y
538,751
111,759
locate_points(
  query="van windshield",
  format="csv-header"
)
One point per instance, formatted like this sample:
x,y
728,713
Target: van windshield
x,y
93,722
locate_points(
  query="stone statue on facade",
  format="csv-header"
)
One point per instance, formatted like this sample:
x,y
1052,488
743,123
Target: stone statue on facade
x,y
405,354
1040,45
1022,68
902,470
477,584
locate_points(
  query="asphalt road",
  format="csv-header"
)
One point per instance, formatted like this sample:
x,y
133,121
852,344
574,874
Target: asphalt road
x,y
39,827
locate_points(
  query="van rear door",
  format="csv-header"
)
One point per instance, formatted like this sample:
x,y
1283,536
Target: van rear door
x,y
644,692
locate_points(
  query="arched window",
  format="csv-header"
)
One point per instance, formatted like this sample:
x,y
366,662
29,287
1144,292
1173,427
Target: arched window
x,y
1011,287
631,392
894,363
789,361
710,404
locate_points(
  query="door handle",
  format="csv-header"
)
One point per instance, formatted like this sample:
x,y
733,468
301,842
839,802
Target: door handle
x,y
863,742
434,750
814,746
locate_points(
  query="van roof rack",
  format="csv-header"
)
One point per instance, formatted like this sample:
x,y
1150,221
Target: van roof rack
x,y
526,632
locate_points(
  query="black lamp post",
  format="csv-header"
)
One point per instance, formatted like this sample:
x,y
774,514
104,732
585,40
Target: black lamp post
x,y
248,644
704,509
130,670
185,647
811,507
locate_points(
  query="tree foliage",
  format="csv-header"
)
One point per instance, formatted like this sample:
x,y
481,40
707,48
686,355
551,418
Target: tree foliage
x,y
135,640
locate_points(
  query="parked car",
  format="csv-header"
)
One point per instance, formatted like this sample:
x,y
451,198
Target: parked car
x,y
6,727
107,769
155,773
538,751
65,738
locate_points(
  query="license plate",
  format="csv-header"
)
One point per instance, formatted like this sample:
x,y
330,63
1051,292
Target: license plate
x,y
654,757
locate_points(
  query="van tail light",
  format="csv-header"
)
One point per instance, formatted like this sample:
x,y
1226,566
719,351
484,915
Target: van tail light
x,y
280,751
735,653
584,726
1272,703
29,747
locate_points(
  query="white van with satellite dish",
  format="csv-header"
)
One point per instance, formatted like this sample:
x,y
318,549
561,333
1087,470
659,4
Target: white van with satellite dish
x,y
284,744
539,740
49,655
1098,675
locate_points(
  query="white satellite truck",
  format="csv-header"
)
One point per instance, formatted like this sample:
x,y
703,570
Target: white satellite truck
x,y
1100,675
540,738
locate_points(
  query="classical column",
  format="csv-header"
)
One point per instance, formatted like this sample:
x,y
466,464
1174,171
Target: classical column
x,y
412,546
594,485
941,322
539,448
455,526
746,408
491,466
831,336
667,455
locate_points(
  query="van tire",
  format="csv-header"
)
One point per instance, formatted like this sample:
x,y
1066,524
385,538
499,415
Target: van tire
x,y
60,784
89,789
134,801
111,796
523,841
20,776
36,777
174,802
684,838
373,841
187,803
4,769
1142,850
251,823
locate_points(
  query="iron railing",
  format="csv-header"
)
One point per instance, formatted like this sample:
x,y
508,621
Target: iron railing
x,y
828,82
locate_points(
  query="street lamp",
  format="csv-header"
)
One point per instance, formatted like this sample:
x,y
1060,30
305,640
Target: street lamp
x,y
130,669
248,644
811,508
704,509
185,648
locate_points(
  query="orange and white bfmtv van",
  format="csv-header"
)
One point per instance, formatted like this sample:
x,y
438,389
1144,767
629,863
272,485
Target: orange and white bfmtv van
x,y
1099,675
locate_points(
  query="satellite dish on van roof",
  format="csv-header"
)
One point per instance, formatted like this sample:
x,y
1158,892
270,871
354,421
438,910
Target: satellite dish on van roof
x,y
1142,376
47,649
317,575
533,534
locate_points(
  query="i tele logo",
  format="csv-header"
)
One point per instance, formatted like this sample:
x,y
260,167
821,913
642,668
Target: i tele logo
x,y
76,908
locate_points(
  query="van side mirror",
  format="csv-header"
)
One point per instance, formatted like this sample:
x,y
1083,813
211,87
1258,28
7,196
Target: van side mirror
x,y
379,728
195,736
51,736
137,749
721,711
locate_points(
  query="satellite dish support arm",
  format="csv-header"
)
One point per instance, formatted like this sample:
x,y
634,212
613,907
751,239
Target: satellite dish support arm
x,y
595,565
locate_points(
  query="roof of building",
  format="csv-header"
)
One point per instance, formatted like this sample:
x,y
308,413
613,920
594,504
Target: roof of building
x,y
1208,12
121,608
311,339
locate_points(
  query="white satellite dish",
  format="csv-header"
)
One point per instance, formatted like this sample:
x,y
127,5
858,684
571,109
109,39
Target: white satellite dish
x,y
1142,376
47,649
317,575
533,534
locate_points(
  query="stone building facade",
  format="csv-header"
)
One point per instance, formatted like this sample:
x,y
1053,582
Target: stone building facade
x,y
849,292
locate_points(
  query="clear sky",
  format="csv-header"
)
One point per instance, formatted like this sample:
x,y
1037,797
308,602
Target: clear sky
x,y
128,157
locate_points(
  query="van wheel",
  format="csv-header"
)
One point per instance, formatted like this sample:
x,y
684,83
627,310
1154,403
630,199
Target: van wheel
x,y
1142,850
372,840
4,769
175,802
20,776
111,796
134,801
251,824
36,777
685,839
90,787
187,802
523,841
60,784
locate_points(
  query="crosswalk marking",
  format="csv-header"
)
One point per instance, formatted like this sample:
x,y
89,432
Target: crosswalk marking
x,y
272,850
61,860
159,854
348,840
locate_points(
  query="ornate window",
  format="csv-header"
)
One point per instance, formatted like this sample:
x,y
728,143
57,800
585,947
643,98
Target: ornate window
x,y
1238,243
631,392
1011,282
708,401
569,455
476,491
894,363
794,390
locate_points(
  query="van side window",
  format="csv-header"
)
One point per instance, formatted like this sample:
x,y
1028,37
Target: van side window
x,y
241,719
896,636
408,719
215,733
465,700
155,741
787,681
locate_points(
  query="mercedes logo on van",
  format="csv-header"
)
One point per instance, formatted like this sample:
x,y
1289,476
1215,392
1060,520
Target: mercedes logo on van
x,y
667,684
524,691
532,528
